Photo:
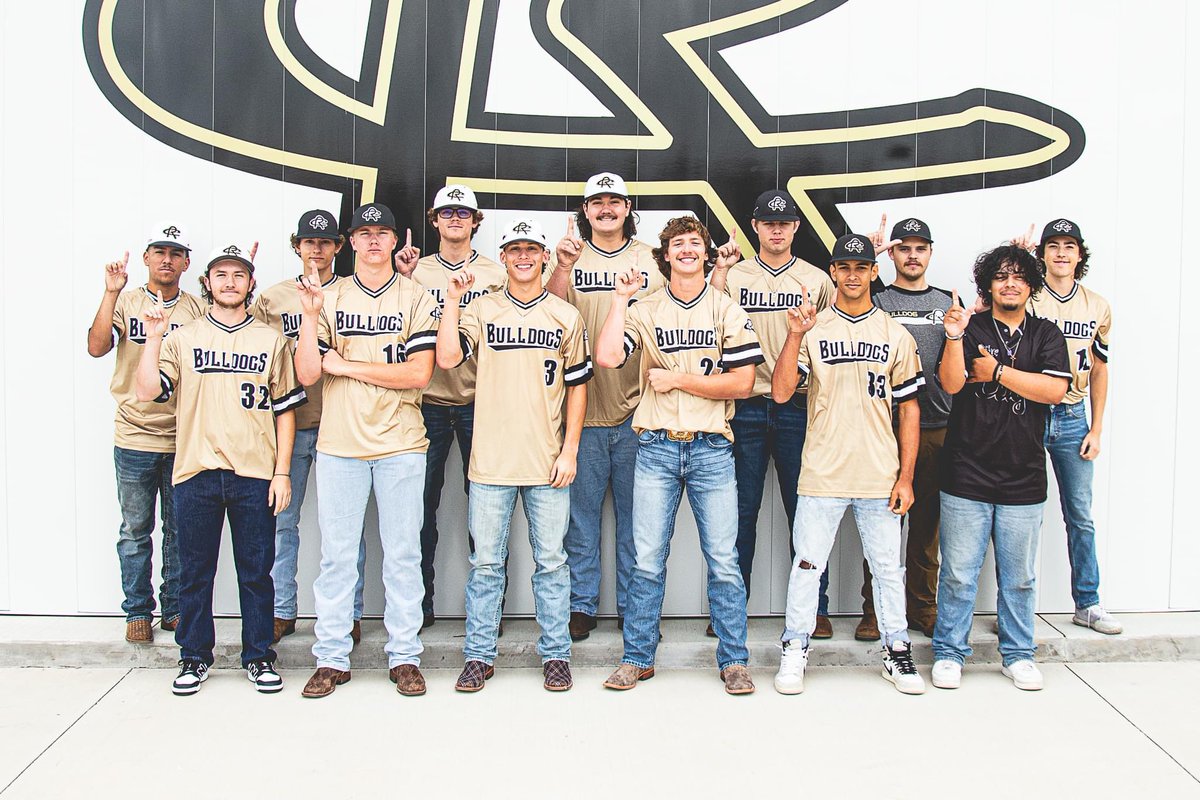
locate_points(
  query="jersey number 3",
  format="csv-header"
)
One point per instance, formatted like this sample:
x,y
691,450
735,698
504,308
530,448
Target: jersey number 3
x,y
248,392
551,371
876,385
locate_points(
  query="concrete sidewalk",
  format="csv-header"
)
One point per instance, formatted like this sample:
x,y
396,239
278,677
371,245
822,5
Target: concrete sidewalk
x,y
99,642
1097,731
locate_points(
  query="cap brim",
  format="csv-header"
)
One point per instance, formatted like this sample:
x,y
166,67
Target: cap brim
x,y
913,236
373,225
778,217
863,259
169,243
523,239
333,237
247,263
587,197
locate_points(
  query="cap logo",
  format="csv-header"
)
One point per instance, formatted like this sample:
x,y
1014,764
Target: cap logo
x,y
1062,226
855,245
232,250
372,214
319,222
912,226
606,182
522,227
777,203
171,231
455,194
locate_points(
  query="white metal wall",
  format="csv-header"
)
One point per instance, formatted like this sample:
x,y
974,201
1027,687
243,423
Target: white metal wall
x,y
78,185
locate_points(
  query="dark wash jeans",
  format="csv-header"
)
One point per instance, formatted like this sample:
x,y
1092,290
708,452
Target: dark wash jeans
x,y
143,478
764,429
202,503
442,425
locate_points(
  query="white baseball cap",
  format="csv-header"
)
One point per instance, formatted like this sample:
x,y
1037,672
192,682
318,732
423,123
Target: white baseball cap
x,y
230,252
167,234
523,230
455,195
605,183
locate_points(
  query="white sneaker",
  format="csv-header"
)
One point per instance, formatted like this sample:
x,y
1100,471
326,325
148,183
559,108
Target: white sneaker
x,y
947,674
264,677
898,667
1096,618
191,675
792,660
1025,675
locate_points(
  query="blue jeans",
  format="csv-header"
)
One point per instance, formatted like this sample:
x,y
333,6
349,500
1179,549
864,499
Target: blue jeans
x,y
343,487
287,533
967,527
1066,425
817,522
442,425
607,455
142,477
665,468
764,429
203,502
490,514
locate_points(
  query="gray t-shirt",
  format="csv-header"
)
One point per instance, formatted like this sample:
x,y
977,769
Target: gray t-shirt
x,y
921,315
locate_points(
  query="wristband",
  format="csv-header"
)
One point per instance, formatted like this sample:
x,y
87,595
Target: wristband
x,y
283,474
998,374
950,338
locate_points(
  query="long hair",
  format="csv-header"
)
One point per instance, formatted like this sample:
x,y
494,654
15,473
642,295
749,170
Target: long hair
x,y
1080,269
206,293
989,263
294,240
585,227
476,218
676,227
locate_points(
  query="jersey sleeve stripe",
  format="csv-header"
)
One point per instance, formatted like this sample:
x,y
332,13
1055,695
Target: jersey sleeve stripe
x,y
1056,373
291,400
465,345
744,358
804,369
423,340
322,347
580,373
741,348
116,334
909,388
168,388
1100,349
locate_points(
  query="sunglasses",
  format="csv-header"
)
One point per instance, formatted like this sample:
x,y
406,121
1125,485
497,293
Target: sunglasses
x,y
461,213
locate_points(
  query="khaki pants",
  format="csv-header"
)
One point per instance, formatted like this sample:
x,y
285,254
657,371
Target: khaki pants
x,y
921,556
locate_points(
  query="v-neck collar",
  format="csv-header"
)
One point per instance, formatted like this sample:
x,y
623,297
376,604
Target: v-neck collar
x,y
526,306
229,328
691,303
455,267
772,270
609,253
854,319
166,303
1064,298
377,292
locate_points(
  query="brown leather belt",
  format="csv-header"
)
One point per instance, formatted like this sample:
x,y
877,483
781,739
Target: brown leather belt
x,y
681,436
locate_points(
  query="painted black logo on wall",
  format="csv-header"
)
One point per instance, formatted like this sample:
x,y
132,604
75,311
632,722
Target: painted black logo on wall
x,y
684,128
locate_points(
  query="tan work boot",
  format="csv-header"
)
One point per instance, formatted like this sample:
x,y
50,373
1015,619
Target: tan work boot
x,y
139,631
324,681
868,629
283,627
408,679
737,679
824,629
627,676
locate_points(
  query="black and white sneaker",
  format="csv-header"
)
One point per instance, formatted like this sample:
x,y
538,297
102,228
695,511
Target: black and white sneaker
x,y
191,675
898,667
264,677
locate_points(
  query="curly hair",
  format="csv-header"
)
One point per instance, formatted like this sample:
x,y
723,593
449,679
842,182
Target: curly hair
x,y
206,293
1081,268
989,263
476,218
676,227
294,240
585,227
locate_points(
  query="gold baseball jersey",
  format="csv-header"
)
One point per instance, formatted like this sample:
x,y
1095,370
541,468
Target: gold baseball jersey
x,y
613,393
456,387
149,427
526,355
229,384
704,336
381,326
279,307
1084,318
855,367
766,294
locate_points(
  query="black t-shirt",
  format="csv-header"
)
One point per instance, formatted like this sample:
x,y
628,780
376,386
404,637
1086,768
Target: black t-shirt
x,y
993,451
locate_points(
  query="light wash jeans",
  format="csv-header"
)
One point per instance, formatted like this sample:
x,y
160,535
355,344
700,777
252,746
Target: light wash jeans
x,y
607,455
967,527
665,468
343,487
1066,425
817,522
489,515
287,533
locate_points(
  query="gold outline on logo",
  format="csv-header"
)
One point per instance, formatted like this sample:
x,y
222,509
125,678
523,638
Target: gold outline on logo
x,y
367,175
799,186
376,110
659,137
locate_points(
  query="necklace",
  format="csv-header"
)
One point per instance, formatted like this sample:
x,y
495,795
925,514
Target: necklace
x,y
1010,349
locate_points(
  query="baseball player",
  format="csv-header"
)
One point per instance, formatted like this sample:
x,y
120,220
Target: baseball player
x,y
144,441
1004,367
584,275
316,241
1084,317
236,395
532,359
766,286
373,337
699,352
919,307
448,404
856,360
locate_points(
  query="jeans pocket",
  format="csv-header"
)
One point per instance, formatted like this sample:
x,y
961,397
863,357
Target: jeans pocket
x,y
649,437
717,442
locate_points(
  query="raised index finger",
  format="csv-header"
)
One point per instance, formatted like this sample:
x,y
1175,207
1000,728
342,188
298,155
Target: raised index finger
x,y
954,298
882,224
408,237
125,259
570,225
